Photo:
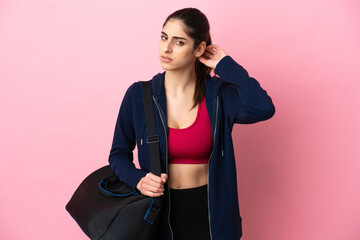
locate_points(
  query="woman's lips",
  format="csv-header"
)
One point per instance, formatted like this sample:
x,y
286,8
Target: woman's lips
x,y
166,59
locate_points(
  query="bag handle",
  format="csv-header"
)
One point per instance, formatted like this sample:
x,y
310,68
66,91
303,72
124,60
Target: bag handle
x,y
113,187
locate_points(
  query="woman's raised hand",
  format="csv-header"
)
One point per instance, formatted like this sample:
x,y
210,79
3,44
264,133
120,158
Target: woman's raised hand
x,y
212,56
152,185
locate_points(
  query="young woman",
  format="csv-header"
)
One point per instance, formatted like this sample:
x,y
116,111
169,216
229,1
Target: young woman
x,y
194,114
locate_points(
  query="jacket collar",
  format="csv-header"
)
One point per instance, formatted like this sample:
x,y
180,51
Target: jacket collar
x,y
213,84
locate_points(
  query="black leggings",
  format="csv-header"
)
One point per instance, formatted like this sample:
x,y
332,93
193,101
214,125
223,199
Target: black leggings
x,y
189,217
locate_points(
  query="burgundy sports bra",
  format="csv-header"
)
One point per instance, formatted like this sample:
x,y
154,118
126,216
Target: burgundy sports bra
x,y
192,145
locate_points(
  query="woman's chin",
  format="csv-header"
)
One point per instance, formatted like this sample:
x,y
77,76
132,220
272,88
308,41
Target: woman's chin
x,y
165,66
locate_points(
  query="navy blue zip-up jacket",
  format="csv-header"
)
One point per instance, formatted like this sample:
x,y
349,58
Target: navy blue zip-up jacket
x,y
233,98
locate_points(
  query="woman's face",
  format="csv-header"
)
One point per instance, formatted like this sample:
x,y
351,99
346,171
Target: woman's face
x,y
176,48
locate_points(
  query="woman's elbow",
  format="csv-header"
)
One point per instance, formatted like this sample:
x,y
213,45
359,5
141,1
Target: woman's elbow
x,y
265,112
254,115
270,111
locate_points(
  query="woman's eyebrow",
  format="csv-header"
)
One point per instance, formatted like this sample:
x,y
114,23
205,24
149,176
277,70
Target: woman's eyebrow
x,y
174,36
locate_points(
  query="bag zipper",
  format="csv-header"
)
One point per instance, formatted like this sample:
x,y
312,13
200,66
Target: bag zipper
x,y
162,120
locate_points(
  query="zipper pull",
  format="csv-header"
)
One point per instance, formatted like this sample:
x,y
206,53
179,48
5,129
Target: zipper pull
x,y
141,141
222,152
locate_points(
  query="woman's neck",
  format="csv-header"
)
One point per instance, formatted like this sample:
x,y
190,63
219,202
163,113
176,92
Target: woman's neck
x,y
180,83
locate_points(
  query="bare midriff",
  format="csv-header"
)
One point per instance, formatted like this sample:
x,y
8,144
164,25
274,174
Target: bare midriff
x,y
187,175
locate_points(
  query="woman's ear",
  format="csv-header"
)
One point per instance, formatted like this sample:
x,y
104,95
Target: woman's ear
x,y
200,49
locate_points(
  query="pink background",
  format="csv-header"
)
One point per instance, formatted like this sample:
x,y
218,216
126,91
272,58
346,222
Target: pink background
x,y
65,66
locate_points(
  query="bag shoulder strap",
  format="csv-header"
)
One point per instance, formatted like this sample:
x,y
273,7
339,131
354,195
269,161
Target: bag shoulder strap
x,y
152,137
153,141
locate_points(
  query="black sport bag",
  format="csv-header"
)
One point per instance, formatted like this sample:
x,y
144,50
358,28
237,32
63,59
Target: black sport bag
x,y
107,209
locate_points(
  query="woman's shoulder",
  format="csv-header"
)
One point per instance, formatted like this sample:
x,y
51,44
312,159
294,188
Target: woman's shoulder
x,y
156,84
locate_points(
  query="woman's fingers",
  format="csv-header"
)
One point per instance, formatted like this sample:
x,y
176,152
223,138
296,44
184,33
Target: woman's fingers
x,y
212,56
211,49
164,177
153,177
152,188
151,194
152,185
153,180
207,55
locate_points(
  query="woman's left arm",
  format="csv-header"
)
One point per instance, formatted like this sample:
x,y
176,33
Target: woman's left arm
x,y
247,101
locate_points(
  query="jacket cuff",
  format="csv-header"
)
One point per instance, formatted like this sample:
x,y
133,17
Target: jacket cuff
x,y
135,177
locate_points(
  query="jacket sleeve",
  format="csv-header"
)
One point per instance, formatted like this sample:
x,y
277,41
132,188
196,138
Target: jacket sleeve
x,y
121,153
244,99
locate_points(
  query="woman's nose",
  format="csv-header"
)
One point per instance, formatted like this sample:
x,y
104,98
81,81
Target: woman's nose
x,y
167,47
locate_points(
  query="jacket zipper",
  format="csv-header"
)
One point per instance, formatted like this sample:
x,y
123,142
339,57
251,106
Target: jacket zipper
x,y
162,120
143,135
216,118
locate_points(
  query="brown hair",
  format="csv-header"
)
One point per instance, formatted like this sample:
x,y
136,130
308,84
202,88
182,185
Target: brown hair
x,y
198,28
